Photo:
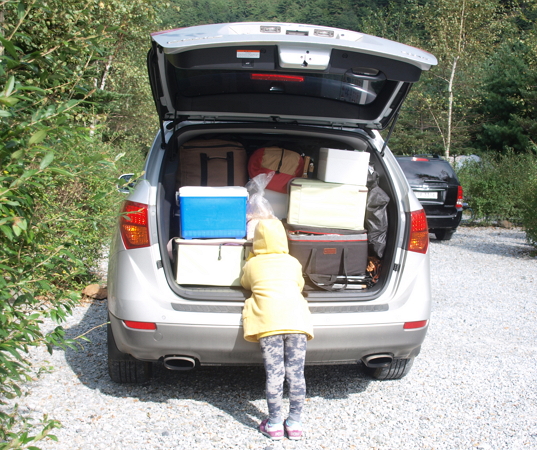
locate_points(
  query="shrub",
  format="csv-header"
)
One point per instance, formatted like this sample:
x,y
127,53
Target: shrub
x,y
529,215
55,202
495,186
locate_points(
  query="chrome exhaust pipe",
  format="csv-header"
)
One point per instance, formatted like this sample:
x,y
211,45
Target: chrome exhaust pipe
x,y
378,360
175,362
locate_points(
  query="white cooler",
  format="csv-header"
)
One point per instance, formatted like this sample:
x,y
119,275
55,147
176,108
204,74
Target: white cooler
x,y
316,203
211,262
343,166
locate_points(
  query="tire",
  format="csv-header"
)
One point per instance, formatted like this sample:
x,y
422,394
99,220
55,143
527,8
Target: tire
x,y
443,235
395,371
122,367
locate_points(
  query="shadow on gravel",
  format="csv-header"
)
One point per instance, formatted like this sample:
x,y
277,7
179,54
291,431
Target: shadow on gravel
x,y
512,243
229,389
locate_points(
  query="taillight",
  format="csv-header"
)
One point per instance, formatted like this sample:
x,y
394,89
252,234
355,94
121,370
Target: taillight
x,y
414,325
276,77
140,325
419,232
134,225
459,198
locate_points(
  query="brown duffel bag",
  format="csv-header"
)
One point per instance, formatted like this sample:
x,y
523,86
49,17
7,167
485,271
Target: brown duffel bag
x,y
212,162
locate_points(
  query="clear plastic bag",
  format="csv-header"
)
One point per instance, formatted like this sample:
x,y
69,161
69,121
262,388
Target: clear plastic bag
x,y
258,207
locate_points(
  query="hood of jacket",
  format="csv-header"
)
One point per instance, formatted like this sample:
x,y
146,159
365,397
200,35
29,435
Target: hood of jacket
x,y
270,237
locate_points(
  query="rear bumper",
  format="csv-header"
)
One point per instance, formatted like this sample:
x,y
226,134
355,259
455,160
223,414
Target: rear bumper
x,y
448,221
225,345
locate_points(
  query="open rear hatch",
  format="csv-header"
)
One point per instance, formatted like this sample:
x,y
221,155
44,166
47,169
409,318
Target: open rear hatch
x,y
281,72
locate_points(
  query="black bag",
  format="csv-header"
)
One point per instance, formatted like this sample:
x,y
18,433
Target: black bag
x,y
330,259
376,216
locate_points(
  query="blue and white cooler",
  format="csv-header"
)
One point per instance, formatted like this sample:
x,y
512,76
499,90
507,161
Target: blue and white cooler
x,y
212,212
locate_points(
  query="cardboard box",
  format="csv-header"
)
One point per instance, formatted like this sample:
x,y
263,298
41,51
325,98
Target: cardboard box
x,y
343,166
212,212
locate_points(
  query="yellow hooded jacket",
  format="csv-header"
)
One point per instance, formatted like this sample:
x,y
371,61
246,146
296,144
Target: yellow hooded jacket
x,y
275,279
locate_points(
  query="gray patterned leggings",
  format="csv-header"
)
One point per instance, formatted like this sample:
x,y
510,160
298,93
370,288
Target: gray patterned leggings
x,y
283,356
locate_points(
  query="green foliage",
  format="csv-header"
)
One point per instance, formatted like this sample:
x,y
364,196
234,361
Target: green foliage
x,y
508,100
497,187
57,187
529,213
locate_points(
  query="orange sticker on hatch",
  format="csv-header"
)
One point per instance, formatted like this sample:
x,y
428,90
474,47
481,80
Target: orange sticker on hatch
x,y
250,54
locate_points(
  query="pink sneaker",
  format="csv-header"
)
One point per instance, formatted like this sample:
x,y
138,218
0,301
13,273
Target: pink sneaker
x,y
275,432
293,431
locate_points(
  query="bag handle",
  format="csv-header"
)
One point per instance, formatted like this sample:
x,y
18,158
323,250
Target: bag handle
x,y
325,282
204,162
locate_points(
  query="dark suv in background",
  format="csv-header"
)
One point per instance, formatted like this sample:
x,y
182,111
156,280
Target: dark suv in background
x,y
436,186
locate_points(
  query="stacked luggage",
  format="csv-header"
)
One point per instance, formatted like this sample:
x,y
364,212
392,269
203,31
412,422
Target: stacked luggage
x,y
324,217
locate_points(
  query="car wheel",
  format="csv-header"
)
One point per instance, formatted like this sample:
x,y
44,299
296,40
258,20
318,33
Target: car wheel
x,y
443,235
122,367
395,371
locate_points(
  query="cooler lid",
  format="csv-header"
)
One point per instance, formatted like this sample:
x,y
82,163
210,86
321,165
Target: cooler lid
x,y
210,191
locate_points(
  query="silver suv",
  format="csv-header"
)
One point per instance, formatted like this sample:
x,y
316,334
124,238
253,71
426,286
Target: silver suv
x,y
301,87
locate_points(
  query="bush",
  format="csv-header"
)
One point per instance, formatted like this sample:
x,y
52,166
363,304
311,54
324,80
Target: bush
x,y
56,202
495,187
529,215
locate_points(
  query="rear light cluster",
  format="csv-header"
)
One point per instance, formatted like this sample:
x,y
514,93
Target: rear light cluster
x,y
134,225
419,232
459,198
414,325
140,325
276,77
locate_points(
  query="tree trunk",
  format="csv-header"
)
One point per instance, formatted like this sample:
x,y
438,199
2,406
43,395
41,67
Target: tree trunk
x,y
1,30
106,71
450,107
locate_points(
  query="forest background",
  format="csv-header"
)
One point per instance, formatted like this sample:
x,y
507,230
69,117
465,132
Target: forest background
x,y
76,112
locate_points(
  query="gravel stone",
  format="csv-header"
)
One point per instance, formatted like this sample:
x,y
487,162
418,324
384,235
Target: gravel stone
x,y
468,389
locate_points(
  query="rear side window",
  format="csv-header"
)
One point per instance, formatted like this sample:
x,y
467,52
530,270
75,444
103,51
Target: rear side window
x,y
423,169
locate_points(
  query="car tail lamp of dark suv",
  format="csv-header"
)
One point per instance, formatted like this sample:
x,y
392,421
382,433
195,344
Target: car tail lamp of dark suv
x,y
459,203
419,232
134,225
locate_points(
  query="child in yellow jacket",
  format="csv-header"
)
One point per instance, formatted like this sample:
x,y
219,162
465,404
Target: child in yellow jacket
x,y
277,316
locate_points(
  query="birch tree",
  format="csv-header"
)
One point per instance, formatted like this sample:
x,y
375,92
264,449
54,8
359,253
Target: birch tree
x,y
461,33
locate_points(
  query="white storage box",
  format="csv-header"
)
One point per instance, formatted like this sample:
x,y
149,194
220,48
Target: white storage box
x,y
316,203
211,262
343,166
279,202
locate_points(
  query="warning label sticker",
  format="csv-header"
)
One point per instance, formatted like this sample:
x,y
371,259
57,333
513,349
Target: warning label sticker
x,y
255,54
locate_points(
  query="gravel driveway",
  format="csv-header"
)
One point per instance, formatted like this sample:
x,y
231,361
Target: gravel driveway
x,y
468,389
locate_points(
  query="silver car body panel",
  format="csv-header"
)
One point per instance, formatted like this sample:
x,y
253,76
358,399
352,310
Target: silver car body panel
x,y
293,46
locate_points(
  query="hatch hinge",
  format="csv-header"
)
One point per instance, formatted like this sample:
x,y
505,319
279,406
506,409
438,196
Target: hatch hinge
x,y
209,119
392,126
337,126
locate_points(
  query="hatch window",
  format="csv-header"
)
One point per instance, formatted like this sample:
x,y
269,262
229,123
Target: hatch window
x,y
358,86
